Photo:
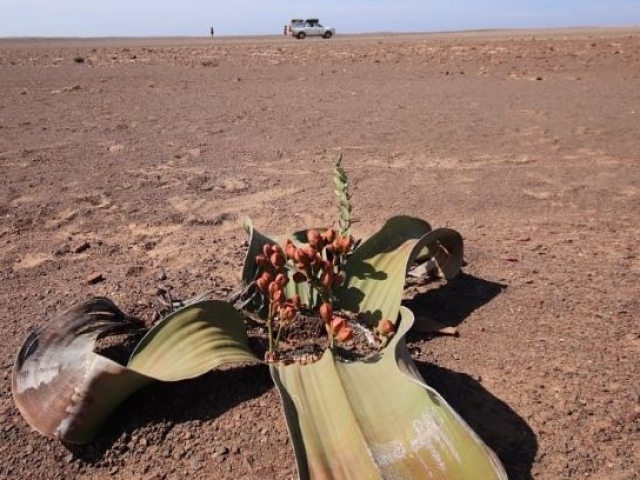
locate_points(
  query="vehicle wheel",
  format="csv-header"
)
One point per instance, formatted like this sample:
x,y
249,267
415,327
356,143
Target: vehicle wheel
x,y
301,35
327,34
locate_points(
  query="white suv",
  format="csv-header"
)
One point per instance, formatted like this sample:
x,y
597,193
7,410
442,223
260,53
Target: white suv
x,y
309,28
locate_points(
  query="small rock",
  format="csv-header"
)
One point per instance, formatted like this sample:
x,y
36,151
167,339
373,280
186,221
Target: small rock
x,y
116,148
178,454
95,278
80,247
222,450
509,258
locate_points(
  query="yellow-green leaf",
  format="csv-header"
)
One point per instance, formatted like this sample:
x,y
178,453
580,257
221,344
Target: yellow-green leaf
x,y
192,341
376,272
377,419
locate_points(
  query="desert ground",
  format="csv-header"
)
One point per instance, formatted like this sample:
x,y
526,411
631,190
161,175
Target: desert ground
x,y
128,165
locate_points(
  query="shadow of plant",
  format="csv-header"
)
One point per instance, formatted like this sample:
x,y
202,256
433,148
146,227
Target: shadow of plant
x,y
451,303
163,405
502,429
494,421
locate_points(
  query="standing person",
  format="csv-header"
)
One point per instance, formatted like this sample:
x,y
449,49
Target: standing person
x,y
211,32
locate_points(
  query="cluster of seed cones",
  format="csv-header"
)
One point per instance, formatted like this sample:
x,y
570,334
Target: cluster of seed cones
x,y
320,263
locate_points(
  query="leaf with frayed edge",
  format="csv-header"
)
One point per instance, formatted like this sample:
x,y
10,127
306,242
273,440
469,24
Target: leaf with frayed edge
x,y
377,419
65,390
61,387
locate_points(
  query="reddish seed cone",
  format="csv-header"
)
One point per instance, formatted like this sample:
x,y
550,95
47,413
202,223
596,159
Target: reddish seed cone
x,y
273,288
290,250
345,244
326,312
337,246
313,237
326,280
264,281
345,334
282,280
386,328
329,236
338,324
278,297
262,284
277,259
301,257
289,312
310,251
261,260
296,300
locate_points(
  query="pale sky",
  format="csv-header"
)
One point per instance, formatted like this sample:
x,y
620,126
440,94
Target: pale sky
x,y
99,18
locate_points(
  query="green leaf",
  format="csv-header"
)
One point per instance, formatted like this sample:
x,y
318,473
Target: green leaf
x,y
192,341
256,242
377,419
376,271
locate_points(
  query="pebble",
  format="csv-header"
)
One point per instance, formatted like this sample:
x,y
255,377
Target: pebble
x,y
94,278
116,148
80,247
222,450
195,464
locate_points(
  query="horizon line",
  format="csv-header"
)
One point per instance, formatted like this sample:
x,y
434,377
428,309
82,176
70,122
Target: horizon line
x,y
279,35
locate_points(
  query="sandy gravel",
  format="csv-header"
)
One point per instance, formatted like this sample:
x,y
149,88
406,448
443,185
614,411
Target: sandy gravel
x,y
137,159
